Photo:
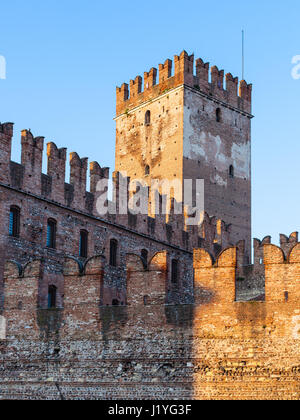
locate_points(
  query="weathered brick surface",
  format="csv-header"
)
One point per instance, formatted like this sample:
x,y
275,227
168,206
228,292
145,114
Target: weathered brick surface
x,y
184,140
216,348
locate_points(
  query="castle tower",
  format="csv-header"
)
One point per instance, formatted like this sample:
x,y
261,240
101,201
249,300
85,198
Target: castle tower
x,y
189,126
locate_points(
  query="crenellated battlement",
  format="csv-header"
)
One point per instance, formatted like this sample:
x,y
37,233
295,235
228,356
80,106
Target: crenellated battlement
x,y
148,283
166,225
6,129
281,273
253,347
28,175
286,245
235,94
6,133
101,298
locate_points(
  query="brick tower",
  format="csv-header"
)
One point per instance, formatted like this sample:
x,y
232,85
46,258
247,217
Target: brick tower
x,y
185,126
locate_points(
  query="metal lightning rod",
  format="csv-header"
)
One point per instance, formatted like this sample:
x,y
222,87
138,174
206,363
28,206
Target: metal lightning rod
x,y
243,55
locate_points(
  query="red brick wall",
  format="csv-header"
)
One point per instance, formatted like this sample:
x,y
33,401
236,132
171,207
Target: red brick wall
x,y
183,74
215,349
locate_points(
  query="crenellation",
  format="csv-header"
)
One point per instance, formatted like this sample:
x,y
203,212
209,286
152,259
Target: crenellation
x,y
184,69
252,279
245,96
214,282
146,286
288,242
202,74
214,234
7,129
282,274
32,159
129,97
147,333
217,78
258,247
120,198
56,169
6,134
21,298
165,71
78,177
122,93
135,87
97,174
166,226
150,78
128,306
232,88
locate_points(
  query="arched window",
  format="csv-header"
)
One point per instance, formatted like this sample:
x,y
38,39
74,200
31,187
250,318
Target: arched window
x,y
231,171
147,118
218,115
51,233
113,252
144,256
147,170
174,271
52,291
14,221
83,244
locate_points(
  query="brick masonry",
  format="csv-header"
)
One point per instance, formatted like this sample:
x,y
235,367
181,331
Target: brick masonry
x,y
215,348
225,329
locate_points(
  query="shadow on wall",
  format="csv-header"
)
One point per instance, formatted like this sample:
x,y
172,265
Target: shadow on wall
x,y
215,349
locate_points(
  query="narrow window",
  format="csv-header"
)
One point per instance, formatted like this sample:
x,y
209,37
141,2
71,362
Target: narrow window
x,y
83,244
144,256
147,170
146,300
174,271
231,171
218,115
14,221
52,291
147,118
51,233
113,253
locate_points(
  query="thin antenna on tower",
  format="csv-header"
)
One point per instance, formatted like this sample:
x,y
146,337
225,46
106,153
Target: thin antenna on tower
x,y
243,54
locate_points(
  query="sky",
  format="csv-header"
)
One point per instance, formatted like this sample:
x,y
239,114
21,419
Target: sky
x,y
65,58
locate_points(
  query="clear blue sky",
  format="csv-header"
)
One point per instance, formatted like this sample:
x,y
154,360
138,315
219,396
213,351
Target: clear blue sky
x,y
65,58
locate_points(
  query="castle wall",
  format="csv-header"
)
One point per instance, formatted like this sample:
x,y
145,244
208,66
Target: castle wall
x,y
32,244
183,139
130,332
46,196
216,348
